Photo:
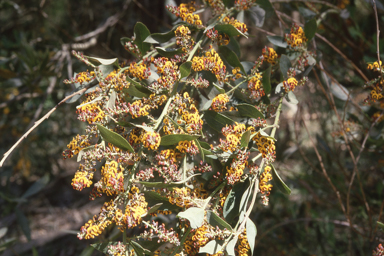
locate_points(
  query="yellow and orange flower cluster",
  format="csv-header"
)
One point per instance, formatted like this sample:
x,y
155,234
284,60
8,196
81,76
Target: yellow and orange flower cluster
x,y
290,84
139,71
266,146
77,144
112,180
186,13
151,140
254,86
237,24
219,102
265,188
269,55
297,36
210,62
85,77
82,179
183,38
243,4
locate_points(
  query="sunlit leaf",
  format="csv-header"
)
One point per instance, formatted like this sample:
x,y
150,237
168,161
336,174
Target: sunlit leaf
x,y
169,52
157,38
279,182
185,69
114,138
195,216
172,139
229,29
231,246
100,61
214,220
141,33
212,247
251,234
279,88
245,138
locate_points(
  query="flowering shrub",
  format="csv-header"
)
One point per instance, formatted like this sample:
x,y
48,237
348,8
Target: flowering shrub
x,y
187,129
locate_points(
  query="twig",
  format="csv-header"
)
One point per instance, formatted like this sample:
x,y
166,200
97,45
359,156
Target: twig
x,y
377,37
151,15
6,154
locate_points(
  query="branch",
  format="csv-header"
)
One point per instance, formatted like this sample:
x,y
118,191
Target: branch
x,y
6,154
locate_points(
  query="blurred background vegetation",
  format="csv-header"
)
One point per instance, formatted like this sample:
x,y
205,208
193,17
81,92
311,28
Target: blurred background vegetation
x,y
40,213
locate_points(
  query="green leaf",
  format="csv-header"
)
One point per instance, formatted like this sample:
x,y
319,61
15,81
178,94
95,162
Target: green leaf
x,y
195,216
105,70
380,225
125,40
230,57
172,139
204,145
140,251
200,149
23,223
245,138
100,61
306,13
169,53
310,28
114,138
154,198
232,202
279,182
141,33
278,41
240,16
87,251
154,208
167,185
36,187
249,111
229,30
136,89
291,98
103,247
3,231
214,220
267,6
234,46
212,247
231,246
157,38
266,80
257,15
216,120
251,234
145,128
285,64
228,3
185,69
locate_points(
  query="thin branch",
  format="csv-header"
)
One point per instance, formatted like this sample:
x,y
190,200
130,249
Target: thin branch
x,y
46,116
307,1
377,37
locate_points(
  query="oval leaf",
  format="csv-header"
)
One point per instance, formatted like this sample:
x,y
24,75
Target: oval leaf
x,y
157,38
216,120
279,87
232,202
230,57
251,234
266,80
285,64
194,215
141,33
100,61
36,187
212,247
278,41
291,98
185,69
231,246
279,182
169,53
103,247
114,138
249,111
310,29
257,15
153,198
215,221
245,138
23,223
140,251
172,139
228,29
